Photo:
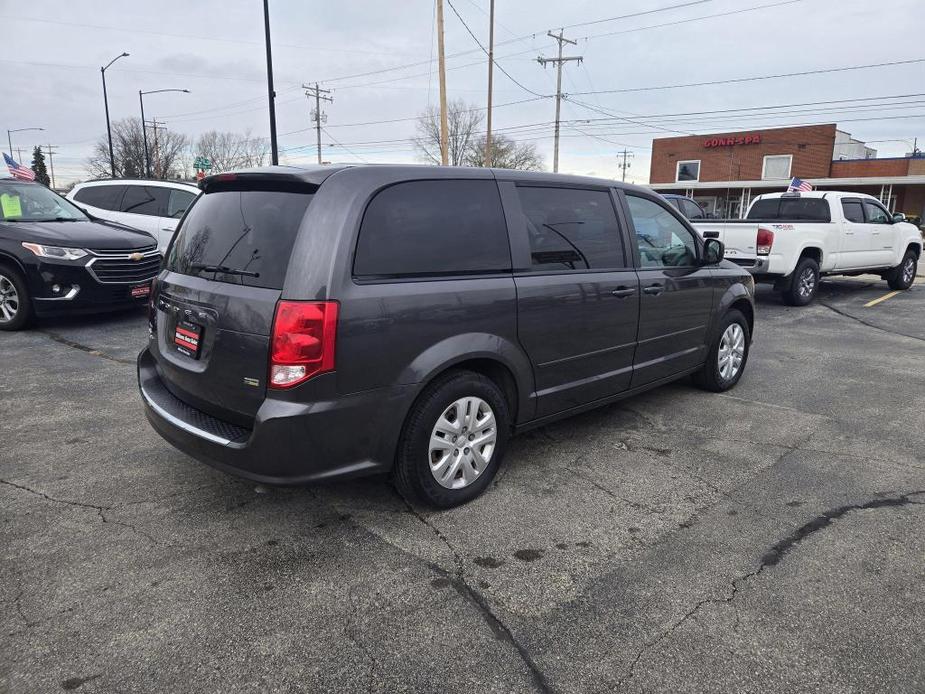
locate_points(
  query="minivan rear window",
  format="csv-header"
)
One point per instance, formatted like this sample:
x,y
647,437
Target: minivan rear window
x,y
420,228
240,237
791,210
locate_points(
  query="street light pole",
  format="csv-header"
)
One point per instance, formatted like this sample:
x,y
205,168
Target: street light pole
x,y
144,130
112,159
271,93
9,137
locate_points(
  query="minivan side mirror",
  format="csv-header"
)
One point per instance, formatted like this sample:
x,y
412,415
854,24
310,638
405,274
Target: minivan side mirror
x,y
899,217
713,251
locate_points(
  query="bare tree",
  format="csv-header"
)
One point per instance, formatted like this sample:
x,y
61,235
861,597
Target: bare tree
x,y
505,154
463,124
228,150
166,153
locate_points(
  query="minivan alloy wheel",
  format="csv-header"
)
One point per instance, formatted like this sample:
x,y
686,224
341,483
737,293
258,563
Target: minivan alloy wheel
x,y
9,300
731,351
462,442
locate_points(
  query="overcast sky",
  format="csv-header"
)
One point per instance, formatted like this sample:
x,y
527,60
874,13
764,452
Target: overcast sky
x,y
53,51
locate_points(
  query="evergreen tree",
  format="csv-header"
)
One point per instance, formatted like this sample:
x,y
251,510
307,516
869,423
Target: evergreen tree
x,y
38,166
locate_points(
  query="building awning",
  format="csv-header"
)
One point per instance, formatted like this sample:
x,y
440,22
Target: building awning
x,y
816,183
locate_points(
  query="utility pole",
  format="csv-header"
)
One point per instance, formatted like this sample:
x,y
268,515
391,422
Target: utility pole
x,y
271,93
444,128
491,65
155,126
625,165
317,115
51,162
558,61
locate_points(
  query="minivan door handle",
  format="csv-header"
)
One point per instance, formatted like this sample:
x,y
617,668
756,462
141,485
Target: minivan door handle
x,y
654,289
623,292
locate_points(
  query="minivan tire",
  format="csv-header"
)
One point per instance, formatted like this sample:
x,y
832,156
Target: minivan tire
x,y
796,294
412,473
903,275
710,376
11,279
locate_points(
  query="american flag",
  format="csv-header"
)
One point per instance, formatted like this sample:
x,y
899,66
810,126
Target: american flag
x,y
800,185
23,173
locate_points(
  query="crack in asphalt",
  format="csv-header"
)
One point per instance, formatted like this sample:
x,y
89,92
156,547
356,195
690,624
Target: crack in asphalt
x,y
458,580
772,557
84,348
98,508
350,632
870,325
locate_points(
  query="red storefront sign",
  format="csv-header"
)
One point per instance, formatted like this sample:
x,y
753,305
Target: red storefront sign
x,y
754,139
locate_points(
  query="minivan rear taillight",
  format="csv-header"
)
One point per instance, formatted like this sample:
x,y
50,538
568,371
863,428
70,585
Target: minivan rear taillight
x,y
302,343
764,241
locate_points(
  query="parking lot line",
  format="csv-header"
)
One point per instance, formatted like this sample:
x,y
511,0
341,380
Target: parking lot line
x,y
882,298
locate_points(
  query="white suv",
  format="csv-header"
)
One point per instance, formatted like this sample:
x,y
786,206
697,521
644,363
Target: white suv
x,y
151,206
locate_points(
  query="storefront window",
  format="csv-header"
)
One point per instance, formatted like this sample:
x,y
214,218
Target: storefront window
x,y
776,166
688,171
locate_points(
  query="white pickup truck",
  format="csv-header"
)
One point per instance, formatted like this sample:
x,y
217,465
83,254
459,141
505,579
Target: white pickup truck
x,y
792,239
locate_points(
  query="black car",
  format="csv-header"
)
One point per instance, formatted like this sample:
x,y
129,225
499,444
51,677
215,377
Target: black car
x,y
54,259
691,209
340,321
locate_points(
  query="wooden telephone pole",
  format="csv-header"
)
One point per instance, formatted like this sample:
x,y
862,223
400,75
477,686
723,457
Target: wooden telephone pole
x,y
444,129
317,115
558,62
491,65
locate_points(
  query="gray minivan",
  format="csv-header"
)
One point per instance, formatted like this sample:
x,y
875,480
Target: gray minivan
x,y
327,322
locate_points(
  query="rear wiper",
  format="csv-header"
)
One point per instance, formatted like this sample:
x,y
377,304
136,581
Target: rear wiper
x,y
225,270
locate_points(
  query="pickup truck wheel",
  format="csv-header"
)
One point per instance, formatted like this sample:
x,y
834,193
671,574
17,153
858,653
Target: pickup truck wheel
x,y
727,356
803,284
15,304
454,439
903,275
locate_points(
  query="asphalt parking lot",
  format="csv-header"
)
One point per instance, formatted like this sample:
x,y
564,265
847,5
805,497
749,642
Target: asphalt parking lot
x,y
771,539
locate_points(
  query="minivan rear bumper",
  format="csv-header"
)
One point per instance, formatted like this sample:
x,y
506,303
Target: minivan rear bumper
x,y
290,443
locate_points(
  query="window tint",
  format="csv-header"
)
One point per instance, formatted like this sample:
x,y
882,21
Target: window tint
x,y
791,210
571,229
178,202
251,230
691,209
853,211
663,240
146,200
103,197
432,228
876,214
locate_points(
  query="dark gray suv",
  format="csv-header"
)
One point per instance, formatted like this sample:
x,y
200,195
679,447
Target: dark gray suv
x,y
328,322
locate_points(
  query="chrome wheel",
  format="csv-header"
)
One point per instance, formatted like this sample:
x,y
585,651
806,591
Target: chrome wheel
x,y
806,282
462,443
9,300
908,270
731,351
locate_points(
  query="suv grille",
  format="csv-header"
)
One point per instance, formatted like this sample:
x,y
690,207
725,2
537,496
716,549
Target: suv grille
x,y
122,267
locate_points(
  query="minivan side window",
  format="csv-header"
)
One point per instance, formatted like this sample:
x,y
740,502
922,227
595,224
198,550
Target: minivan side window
x,y
420,228
571,229
691,209
103,197
853,211
662,239
145,200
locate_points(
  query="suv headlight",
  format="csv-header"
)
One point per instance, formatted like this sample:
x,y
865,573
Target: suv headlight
x,y
57,252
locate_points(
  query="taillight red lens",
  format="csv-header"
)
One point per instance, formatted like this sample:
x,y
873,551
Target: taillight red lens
x,y
302,344
764,241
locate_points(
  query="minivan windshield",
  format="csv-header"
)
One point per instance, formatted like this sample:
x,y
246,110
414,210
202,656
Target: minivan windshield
x,y
242,237
33,202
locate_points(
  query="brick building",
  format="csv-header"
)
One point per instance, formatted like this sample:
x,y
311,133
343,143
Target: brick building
x,y
724,171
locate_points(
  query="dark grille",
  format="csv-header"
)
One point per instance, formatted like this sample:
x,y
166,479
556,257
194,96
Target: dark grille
x,y
122,252
122,269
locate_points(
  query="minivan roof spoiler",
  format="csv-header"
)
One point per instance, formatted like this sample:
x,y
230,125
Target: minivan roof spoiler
x,y
269,176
